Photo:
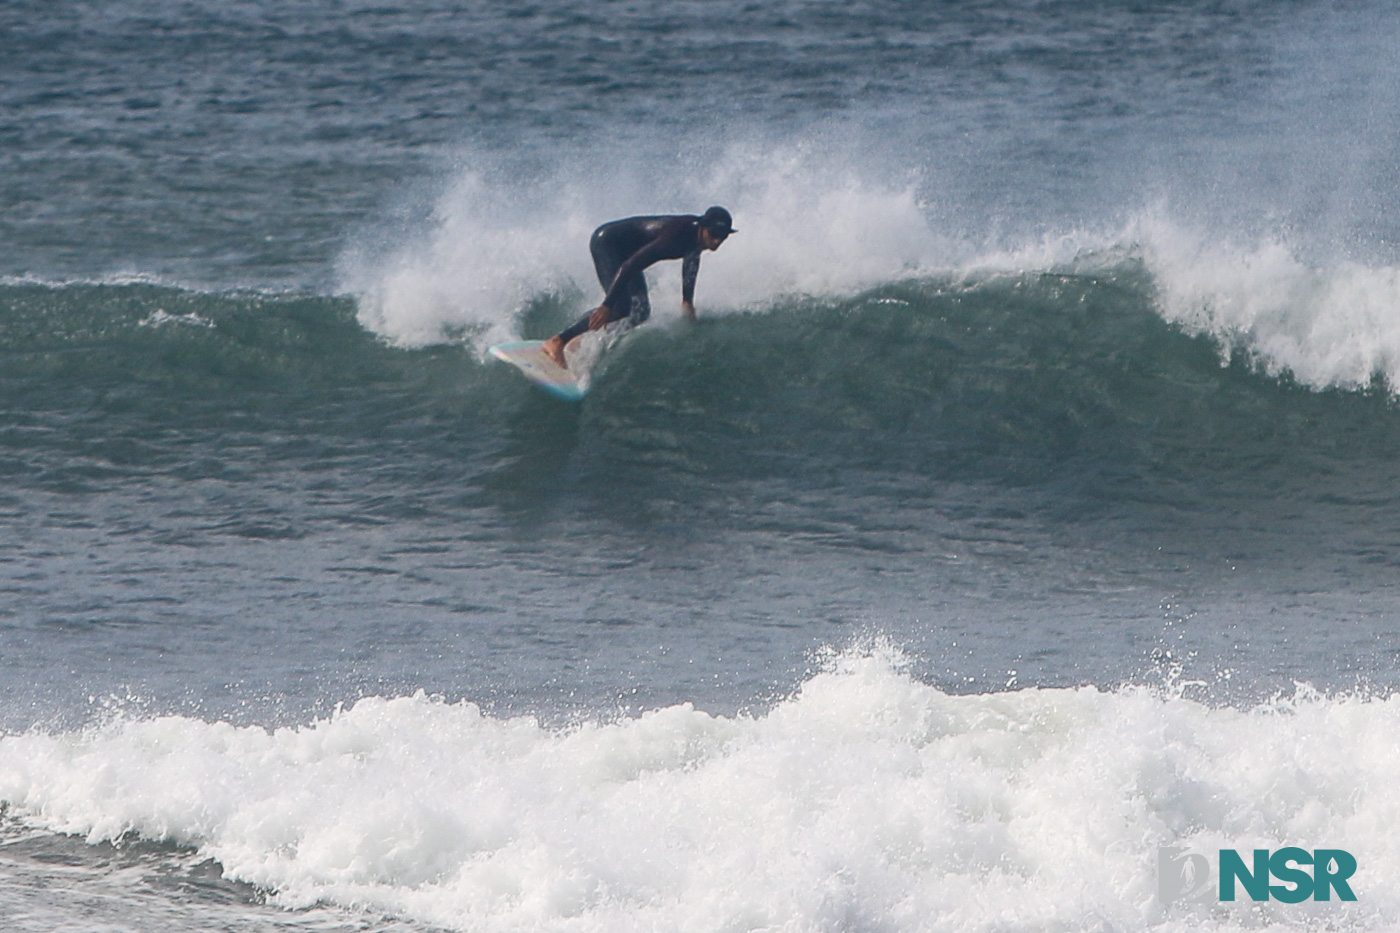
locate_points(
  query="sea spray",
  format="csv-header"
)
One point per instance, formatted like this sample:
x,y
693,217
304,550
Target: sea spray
x,y
1331,324
827,227
808,226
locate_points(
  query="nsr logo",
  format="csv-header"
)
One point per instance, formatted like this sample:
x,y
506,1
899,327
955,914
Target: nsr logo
x,y
1186,876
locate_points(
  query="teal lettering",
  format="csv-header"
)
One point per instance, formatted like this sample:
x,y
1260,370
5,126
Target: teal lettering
x,y
1324,878
1232,867
1302,881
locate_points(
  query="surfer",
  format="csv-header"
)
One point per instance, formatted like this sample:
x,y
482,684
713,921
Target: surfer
x,y
623,249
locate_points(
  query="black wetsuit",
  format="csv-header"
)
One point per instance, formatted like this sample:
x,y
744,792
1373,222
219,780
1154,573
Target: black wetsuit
x,y
623,249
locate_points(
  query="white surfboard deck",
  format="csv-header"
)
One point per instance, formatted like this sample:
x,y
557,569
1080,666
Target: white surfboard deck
x,y
584,354
529,357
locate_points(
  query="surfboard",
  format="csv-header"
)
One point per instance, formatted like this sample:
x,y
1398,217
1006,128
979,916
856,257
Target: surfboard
x,y
526,356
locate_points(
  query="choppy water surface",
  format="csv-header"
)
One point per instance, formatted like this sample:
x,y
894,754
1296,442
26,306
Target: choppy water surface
x,y
1022,501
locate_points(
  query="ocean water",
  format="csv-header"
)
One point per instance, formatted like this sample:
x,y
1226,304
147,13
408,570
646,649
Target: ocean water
x,y
1023,502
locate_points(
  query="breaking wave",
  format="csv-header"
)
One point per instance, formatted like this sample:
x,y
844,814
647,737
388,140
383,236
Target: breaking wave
x,y
866,800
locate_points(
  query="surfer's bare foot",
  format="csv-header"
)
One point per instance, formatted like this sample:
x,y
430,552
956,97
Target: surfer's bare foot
x,y
554,349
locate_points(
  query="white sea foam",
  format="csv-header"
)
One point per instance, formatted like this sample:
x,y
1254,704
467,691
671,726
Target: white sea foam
x,y
1329,324
805,226
866,801
162,318
819,225
1332,323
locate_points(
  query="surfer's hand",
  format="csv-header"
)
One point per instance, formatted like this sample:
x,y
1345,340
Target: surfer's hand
x,y
598,318
688,310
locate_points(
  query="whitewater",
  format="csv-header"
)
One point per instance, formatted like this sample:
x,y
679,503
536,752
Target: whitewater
x,y
478,268
866,800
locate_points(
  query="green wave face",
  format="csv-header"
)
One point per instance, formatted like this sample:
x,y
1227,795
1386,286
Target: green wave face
x,y
1023,380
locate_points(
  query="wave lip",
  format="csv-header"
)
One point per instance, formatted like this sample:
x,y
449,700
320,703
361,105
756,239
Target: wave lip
x,y
1327,325
867,799
828,226
495,240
